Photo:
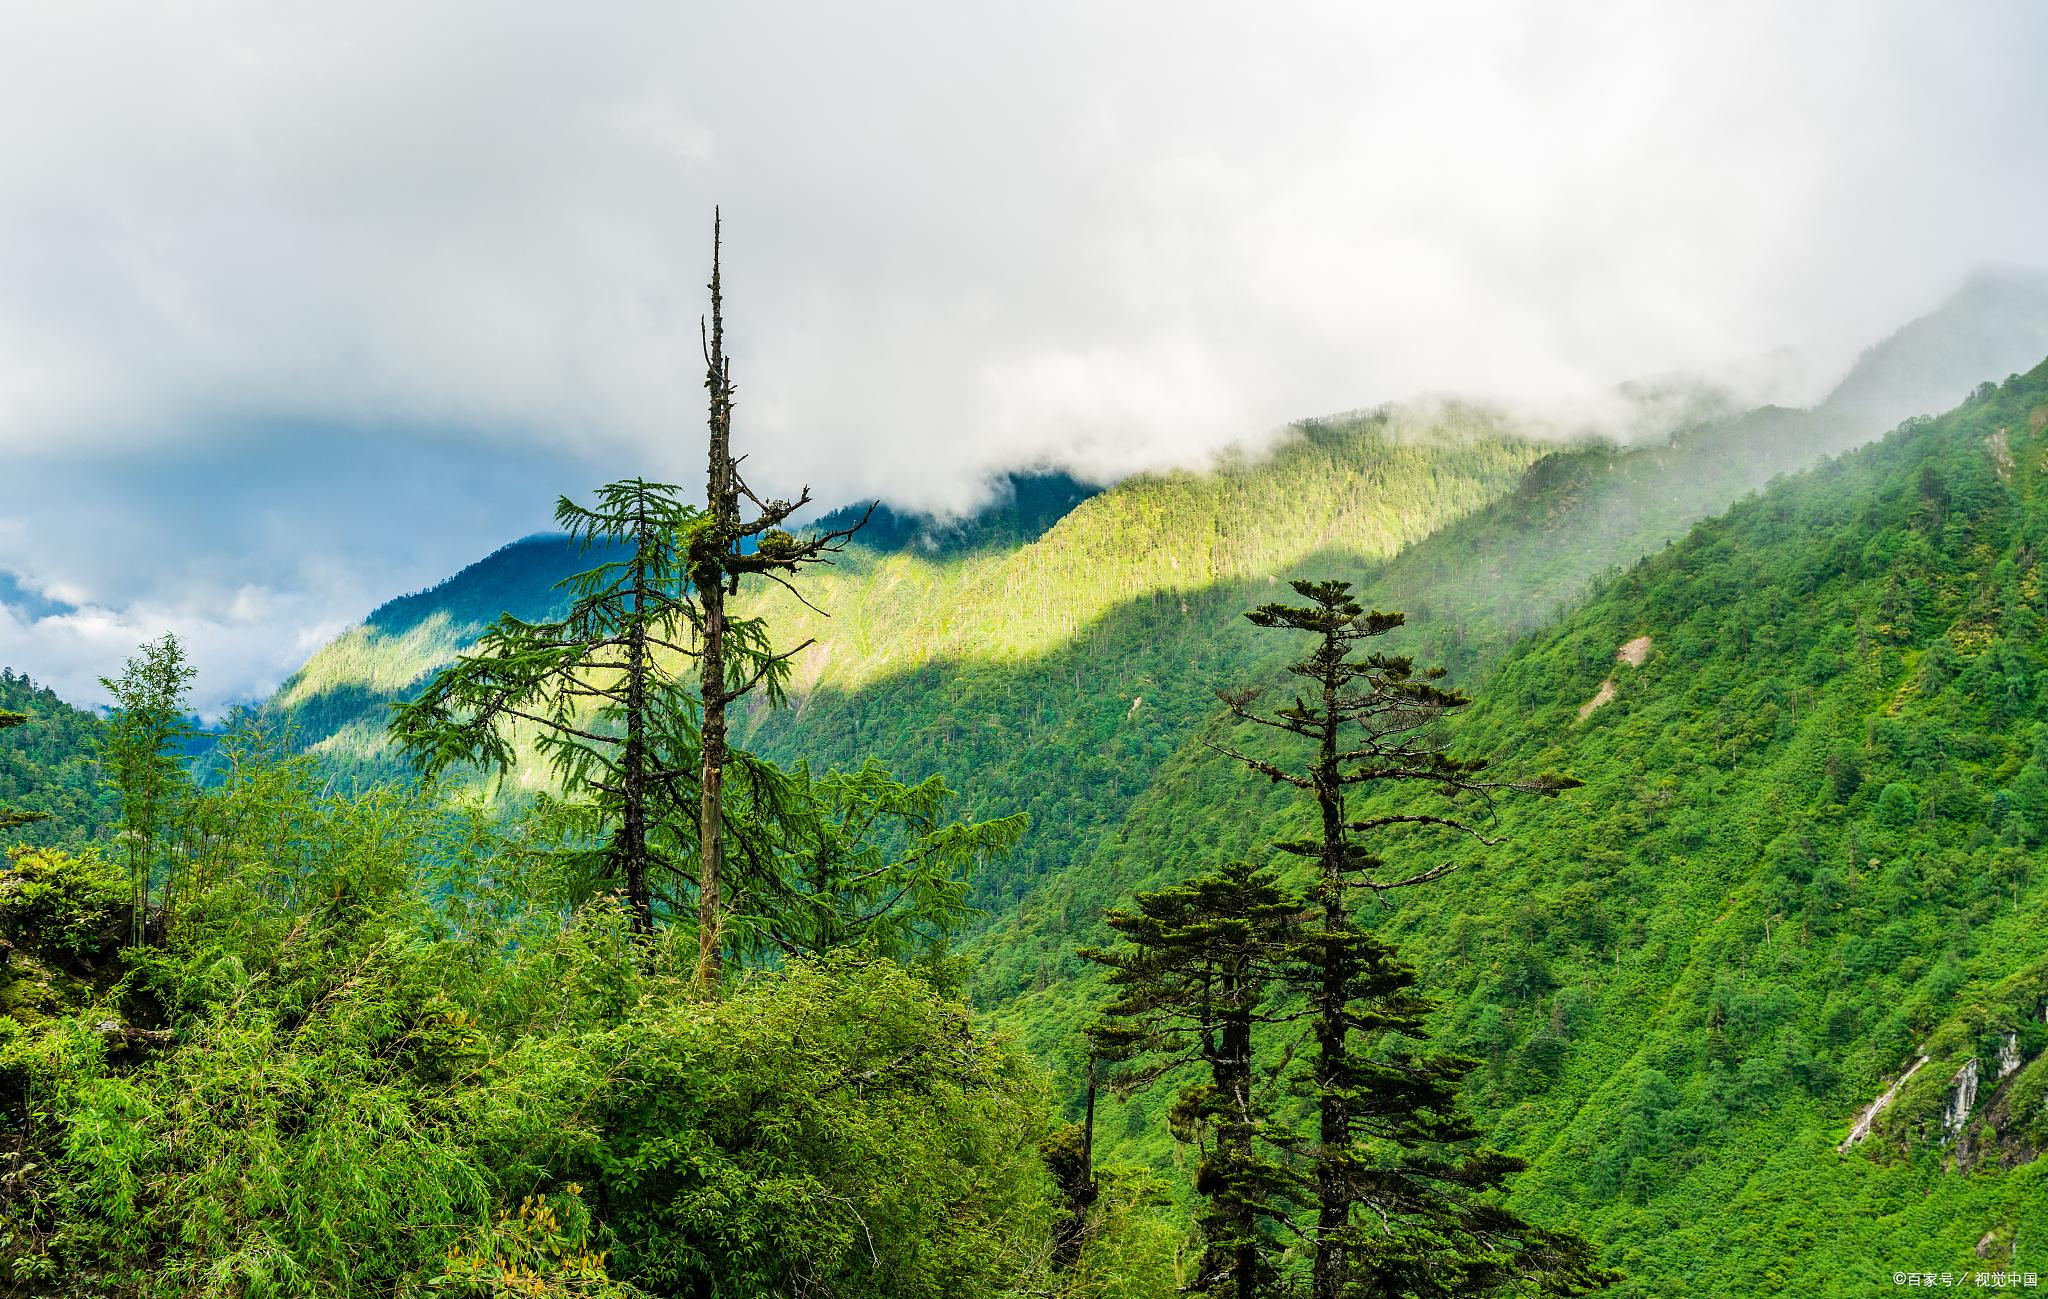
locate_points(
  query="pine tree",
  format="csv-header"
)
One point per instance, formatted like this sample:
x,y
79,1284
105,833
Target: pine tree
x,y
718,558
1401,1209
1193,978
141,760
11,819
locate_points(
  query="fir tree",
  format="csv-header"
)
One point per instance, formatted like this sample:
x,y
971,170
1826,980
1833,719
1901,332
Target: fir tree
x,y
140,757
10,818
719,556
608,709
1400,1209
1193,977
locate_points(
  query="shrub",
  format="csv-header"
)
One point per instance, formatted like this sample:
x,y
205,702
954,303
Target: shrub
x,y
63,905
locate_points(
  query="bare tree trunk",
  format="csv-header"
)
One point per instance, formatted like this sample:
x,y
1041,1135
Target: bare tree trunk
x,y
722,500
633,780
711,812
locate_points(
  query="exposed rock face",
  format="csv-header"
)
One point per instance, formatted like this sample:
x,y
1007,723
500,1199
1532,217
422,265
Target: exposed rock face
x,y
2009,1056
1861,1128
1600,696
1632,653
1962,1098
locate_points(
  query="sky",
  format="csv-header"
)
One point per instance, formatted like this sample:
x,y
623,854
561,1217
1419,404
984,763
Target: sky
x,y
304,306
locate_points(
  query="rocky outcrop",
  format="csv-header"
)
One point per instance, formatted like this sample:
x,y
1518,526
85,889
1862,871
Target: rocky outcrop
x,y
1962,1098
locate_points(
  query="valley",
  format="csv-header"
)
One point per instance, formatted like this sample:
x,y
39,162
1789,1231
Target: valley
x,y
1796,658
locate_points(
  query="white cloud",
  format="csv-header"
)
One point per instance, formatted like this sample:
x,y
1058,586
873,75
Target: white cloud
x,y
960,237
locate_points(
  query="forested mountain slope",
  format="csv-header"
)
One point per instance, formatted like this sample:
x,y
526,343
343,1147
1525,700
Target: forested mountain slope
x,y
49,765
1805,865
1993,325
1012,585
1071,730
1801,864
1059,625
1020,578
337,702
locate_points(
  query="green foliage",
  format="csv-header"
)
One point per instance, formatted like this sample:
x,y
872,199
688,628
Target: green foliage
x,y
1679,992
11,818
59,903
1193,977
48,768
836,1127
392,1061
544,1248
142,756
1129,1245
1683,982
854,861
612,721
1402,1205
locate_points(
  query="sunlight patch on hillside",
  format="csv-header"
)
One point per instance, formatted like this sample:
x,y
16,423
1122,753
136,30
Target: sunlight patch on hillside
x,y
1349,486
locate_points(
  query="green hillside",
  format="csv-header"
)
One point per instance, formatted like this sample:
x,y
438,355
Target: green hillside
x,y
49,764
1802,862
939,629
337,702
1020,668
1805,858
1003,590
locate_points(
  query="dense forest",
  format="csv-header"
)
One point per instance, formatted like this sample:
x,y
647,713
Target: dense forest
x,y
46,763
1804,859
1003,957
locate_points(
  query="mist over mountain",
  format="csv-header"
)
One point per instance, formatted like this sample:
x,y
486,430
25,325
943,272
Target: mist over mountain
x,y
237,275
1711,456
1993,326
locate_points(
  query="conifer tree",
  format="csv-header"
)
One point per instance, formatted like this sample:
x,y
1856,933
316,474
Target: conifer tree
x,y
1193,977
140,758
604,705
10,818
726,544
1400,1208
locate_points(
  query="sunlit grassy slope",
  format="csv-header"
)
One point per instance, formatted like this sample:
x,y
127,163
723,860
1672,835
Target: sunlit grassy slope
x,y
1352,483
1004,588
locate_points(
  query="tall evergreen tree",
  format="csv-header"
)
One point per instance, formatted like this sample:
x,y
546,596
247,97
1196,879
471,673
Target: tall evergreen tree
x,y
1193,978
1400,1208
610,711
140,757
11,818
720,554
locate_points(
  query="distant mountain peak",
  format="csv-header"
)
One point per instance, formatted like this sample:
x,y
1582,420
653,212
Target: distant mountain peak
x,y
1023,504
1995,324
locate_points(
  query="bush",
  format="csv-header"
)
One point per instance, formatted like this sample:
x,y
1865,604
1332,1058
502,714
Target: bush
x,y
62,905
836,1127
